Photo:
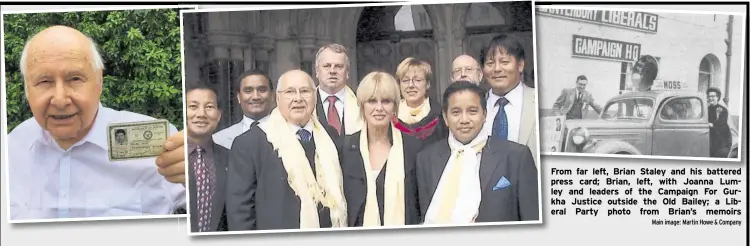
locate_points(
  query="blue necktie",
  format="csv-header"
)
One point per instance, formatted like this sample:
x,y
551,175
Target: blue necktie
x,y
303,135
500,124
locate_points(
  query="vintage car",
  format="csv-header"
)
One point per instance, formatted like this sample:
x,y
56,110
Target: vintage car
x,y
657,122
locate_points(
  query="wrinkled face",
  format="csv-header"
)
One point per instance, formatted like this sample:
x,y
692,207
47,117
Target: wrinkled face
x,y
464,116
581,84
713,99
254,96
332,70
63,86
378,111
414,86
503,71
296,99
466,68
203,113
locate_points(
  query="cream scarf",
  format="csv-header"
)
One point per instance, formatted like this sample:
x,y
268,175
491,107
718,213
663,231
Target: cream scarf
x,y
352,118
459,192
411,115
394,183
328,189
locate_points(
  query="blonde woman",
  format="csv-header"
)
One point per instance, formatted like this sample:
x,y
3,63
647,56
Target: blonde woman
x,y
378,161
418,115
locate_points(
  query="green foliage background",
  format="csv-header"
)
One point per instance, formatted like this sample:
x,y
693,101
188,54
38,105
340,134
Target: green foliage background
x,y
141,52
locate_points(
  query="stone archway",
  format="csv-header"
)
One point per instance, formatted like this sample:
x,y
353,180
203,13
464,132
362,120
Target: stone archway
x,y
383,41
509,17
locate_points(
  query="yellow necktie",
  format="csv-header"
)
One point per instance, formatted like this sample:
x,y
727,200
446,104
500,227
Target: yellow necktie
x,y
452,185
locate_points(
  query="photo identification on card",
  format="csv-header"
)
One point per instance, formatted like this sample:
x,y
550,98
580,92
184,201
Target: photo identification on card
x,y
136,140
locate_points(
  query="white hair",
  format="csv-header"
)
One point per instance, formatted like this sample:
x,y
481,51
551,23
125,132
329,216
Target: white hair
x,y
97,63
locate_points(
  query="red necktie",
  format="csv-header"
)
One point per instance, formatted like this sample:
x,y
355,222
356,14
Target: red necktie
x,y
333,114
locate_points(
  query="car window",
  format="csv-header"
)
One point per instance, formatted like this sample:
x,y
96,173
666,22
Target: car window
x,y
689,108
631,108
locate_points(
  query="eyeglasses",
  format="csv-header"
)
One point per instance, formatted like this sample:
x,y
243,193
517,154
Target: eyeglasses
x,y
415,81
305,92
464,70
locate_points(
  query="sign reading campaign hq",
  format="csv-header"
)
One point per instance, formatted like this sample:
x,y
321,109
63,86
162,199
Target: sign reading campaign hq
x,y
639,21
606,49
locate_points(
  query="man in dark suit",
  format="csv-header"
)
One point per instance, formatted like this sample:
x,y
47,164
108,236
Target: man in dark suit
x,y
285,173
451,191
207,160
336,102
575,102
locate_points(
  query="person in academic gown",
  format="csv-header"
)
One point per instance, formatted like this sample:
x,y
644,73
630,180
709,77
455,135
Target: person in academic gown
x,y
470,177
285,173
378,162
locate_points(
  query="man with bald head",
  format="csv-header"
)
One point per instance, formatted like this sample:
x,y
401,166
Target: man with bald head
x,y
59,165
285,173
466,68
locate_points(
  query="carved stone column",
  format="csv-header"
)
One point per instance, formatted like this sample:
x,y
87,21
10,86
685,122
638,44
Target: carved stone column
x,y
248,58
236,67
307,48
287,55
351,50
442,14
262,46
217,70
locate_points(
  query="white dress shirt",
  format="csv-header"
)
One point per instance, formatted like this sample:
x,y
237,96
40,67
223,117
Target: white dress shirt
x,y
247,122
226,136
513,112
48,182
341,95
308,127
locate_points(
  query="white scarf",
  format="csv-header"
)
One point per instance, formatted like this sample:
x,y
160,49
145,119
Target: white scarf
x,y
327,189
411,115
394,184
469,188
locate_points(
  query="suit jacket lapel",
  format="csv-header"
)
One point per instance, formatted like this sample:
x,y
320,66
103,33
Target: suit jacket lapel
x,y
217,201
439,162
492,156
569,102
354,158
528,113
320,112
237,129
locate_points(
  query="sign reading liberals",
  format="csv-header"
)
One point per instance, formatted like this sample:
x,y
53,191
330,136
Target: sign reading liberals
x,y
640,21
606,49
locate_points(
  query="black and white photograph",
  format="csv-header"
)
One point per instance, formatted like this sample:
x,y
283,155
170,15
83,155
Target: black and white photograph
x,y
636,83
338,117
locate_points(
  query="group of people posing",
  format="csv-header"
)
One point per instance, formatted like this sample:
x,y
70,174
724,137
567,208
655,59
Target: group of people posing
x,y
307,156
